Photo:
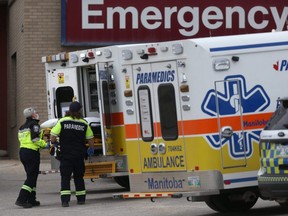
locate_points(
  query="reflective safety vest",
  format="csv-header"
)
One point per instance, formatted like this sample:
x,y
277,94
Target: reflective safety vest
x,y
29,135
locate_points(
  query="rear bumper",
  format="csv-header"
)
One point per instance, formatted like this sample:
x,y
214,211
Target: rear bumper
x,y
182,181
273,187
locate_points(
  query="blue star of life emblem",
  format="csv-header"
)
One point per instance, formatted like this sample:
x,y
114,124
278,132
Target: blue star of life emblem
x,y
232,97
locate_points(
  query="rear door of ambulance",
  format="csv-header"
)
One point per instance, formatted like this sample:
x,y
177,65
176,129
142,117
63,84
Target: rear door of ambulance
x,y
160,140
62,89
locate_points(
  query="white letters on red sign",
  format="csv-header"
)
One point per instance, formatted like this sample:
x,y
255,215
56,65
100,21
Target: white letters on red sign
x,y
152,17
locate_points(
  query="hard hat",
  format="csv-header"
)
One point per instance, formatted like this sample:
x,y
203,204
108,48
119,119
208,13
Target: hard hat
x,y
28,112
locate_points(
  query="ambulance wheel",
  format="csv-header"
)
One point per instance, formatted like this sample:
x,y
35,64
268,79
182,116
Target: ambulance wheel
x,y
283,204
123,181
223,203
209,202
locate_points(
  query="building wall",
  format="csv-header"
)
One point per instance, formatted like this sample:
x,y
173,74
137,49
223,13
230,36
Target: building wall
x,y
3,75
15,72
34,31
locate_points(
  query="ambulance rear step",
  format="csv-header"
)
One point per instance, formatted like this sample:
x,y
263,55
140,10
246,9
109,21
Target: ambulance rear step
x,y
189,195
114,174
95,169
143,195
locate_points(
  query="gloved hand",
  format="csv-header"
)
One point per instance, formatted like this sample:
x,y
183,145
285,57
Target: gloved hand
x,y
56,143
48,145
90,151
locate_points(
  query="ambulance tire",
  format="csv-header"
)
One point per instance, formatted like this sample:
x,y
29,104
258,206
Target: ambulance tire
x,y
283,204
222,203
209,202
123,181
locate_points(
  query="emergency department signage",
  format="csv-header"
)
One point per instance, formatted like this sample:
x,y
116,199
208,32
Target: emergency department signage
x,y
105,22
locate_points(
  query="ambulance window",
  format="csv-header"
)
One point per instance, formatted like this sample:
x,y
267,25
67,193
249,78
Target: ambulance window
x,y
64,96
145,112
107,113
92,92
279,120
167,110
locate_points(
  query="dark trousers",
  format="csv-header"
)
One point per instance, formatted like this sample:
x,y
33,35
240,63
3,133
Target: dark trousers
x,y
31,162
75,166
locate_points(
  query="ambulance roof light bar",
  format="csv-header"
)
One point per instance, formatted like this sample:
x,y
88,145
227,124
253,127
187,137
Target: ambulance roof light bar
x,y
107,53
63,57
152,51
85,56
177,48
127,54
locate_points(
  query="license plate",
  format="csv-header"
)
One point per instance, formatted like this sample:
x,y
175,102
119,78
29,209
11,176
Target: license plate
x,y
282,151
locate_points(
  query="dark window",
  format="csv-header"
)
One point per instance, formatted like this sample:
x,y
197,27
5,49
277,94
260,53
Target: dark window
x,y
93,95
279,120
64,96
167,110
107,113
145,112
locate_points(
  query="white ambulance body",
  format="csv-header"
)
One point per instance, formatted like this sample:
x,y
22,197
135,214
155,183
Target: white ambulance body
x,y
193,111
187,113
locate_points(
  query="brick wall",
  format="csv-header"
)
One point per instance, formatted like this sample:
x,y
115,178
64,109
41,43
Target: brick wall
x,y
3,74
34,31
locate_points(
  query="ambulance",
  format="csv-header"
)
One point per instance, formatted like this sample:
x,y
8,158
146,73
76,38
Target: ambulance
x,y
273,173
186,115
193,113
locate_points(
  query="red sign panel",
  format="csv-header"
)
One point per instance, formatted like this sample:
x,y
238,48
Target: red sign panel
x,y
105,22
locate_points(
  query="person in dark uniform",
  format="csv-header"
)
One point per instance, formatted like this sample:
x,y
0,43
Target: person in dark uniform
x,y
30,138
73,132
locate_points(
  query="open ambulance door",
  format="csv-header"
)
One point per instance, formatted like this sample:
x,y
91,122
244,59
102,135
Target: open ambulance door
x,y
63,88
160,139
105,85
230,123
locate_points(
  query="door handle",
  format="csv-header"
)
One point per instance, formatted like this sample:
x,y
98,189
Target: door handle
x,y
226,132
162,148
154,148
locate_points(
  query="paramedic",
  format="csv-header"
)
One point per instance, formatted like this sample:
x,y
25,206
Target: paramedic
x,y
73,131
30,138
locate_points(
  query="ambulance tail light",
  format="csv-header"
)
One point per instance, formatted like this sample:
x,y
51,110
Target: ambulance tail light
x,y
227,182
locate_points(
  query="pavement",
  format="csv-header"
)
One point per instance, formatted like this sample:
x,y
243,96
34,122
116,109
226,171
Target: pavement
x,y
12,177
99,201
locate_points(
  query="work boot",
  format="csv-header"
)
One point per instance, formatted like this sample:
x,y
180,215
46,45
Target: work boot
x,y
82,202
25,204
65,204
32,199
34,203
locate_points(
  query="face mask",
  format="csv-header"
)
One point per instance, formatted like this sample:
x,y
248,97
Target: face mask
x,y
36,116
